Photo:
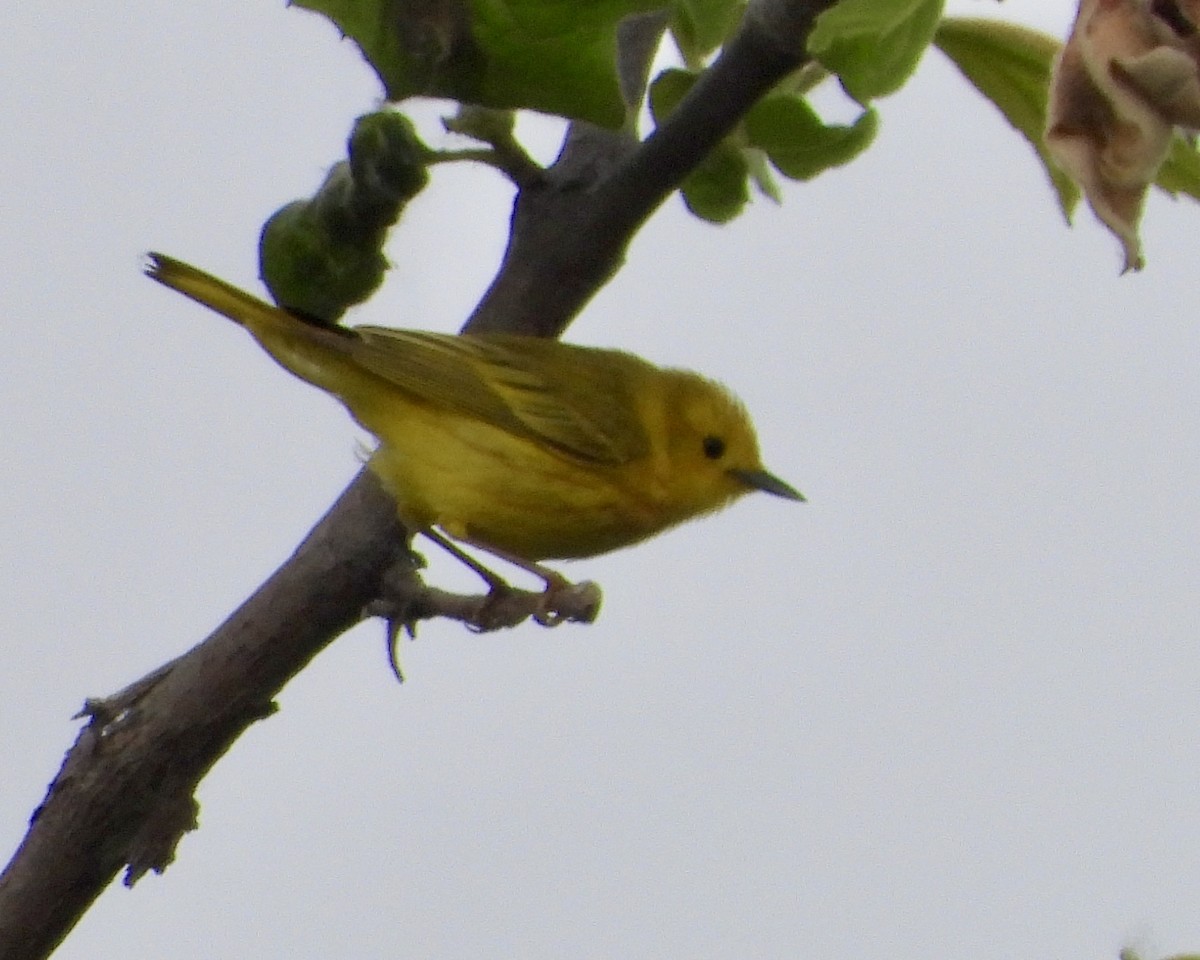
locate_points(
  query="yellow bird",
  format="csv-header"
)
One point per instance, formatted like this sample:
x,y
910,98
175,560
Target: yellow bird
x,y
529,449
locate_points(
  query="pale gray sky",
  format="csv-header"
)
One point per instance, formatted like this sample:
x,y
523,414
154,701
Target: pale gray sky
x,y
942,710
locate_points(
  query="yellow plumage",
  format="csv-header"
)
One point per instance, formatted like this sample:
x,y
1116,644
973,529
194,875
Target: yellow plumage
x,y
529,448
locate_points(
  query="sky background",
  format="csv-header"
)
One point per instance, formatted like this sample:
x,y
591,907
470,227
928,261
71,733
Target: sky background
x,y
944,709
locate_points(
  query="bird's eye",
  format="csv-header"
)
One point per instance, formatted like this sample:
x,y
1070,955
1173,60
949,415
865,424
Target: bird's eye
x,y
714,448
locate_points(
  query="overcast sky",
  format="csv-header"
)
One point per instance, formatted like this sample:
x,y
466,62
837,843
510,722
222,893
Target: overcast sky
x,y
944,709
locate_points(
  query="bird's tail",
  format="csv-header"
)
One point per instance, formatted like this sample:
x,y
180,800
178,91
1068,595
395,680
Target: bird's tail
x,y
216,294
314,352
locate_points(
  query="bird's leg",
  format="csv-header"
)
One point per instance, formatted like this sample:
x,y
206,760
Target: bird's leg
x,y
495,582
582,599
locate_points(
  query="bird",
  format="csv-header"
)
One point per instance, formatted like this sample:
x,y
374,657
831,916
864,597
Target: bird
x,y
526,448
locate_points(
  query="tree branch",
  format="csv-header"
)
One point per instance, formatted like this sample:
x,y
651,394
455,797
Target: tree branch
x,y
124,794
570,230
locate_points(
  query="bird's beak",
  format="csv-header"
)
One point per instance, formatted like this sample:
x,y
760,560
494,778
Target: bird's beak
x,y
767,483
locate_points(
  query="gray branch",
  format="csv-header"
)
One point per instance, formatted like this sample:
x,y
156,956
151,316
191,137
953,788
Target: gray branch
x,y
125,793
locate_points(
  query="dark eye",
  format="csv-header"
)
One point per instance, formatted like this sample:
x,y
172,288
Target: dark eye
x,y
714,448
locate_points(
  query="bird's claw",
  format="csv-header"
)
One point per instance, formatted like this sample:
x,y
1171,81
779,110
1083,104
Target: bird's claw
x,y
569,602
561,602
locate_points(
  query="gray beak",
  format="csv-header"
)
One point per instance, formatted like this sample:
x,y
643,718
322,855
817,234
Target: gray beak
x,y
767,483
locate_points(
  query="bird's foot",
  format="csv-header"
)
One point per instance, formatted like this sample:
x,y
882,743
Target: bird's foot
x,y
566,602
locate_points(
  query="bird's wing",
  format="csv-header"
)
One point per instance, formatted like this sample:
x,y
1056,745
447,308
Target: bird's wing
x,y
572,398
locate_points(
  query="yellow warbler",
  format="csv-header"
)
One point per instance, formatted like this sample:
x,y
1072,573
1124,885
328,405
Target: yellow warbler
x,y
527,448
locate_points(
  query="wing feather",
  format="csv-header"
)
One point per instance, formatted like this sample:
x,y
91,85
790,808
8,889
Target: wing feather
x,y
576,399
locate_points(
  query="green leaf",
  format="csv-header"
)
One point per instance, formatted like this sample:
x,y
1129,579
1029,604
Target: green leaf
x,y
781,126
388,166
700,26
554,56
668,88
717,190
760,173
322,255
309,271
1011,66
1180,172
797,140
874,45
